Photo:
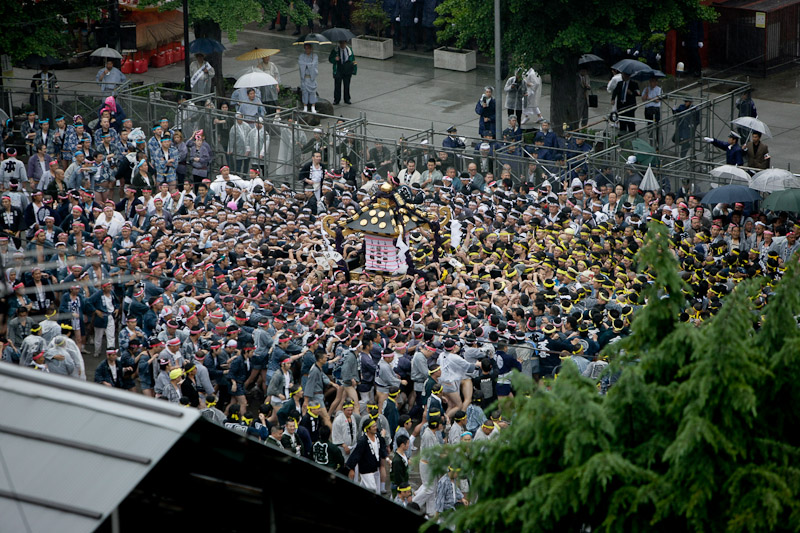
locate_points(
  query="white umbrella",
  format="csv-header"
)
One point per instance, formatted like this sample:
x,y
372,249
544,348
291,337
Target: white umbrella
x,y
255,79
774,179
753,124
730,173
649,181
106,52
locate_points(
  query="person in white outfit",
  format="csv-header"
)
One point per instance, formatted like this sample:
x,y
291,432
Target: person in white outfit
x,y
258,146
427,491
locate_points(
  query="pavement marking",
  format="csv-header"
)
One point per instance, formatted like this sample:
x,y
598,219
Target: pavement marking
x,y
445,103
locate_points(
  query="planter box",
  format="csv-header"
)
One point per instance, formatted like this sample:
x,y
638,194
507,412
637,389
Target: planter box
x,y
454,59
373,47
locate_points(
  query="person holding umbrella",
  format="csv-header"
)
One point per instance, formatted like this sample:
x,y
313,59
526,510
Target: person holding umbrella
x,y
624,97
309,69
269,93
202,74
757,152
109,78
515,92
344,68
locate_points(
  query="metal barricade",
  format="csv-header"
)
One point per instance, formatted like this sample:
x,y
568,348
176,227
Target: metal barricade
x,y
288,140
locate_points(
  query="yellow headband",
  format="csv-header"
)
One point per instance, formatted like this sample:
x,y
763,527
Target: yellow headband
x,y
295,392
404,489
369,424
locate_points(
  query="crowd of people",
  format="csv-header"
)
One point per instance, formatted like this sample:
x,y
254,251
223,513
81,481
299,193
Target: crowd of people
x,y
217,289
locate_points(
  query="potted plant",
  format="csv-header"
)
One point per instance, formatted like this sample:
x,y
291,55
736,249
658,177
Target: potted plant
x,y
371,16
455,59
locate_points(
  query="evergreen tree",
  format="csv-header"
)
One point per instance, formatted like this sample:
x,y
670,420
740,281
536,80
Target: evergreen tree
x,y
695,435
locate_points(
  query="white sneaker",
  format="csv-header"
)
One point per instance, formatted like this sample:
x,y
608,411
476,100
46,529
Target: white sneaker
x,y
313,109
305,109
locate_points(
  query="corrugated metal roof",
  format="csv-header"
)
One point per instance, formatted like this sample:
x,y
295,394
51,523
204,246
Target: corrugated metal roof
x,y
70,451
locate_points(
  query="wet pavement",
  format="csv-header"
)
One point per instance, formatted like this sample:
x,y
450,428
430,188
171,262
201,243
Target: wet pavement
x,y
406,91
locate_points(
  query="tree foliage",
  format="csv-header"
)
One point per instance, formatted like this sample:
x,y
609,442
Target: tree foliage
x,y
40,28
233,15
553,35
697,434
212,18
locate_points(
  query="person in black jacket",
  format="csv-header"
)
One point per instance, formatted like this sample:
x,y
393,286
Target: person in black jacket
x,y
109,373
327,454
239,371
486,383
552,346
12,221
291,439
311,421
189,385
624,97
407,14
370,457
312,174
103,307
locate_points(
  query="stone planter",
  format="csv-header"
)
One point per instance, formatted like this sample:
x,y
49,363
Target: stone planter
x,y
454,59
373,47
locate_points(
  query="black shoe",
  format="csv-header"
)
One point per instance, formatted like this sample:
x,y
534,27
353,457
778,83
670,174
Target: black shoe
x,y
336,103
404,47
348,102
281,29
272,27
429,49
296,32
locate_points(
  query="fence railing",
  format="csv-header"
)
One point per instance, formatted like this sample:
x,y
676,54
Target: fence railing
x,y
672,146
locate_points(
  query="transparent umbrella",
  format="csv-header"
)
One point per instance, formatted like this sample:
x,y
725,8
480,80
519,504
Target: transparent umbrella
x,y
730,173
774,179
255,79
589,58
106,52
753,124
649,181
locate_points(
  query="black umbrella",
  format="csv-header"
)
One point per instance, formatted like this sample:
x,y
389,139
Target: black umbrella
x,y
645,75
312,38
631,67
38,61
730,194
206,46
339,34
589,58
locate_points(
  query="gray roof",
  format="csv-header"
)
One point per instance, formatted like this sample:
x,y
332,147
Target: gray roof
x,y
71,451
